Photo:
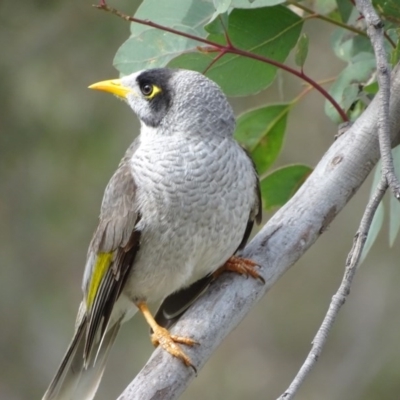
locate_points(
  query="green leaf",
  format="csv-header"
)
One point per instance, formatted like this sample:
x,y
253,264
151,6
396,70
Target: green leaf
x,y
377,221
346,89
356,110
371,88
248,30
225,6
346,45
389,10
324,7
375,228
301,50
261,131
221,7
217,26
255,3
279,186
345,8
149,47
394,210
394,219
395,54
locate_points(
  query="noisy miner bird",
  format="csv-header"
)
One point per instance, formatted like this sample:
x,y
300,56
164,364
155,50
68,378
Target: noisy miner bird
x,y
181,203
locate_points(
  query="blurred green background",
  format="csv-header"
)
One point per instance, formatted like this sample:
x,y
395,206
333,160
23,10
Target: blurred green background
x,y
60,143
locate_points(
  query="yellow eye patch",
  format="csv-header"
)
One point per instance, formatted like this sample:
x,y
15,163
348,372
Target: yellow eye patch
x,y
156,91
149,91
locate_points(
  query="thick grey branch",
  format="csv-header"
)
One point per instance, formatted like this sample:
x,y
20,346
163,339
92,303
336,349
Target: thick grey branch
x,y
376,33
281,242
340,296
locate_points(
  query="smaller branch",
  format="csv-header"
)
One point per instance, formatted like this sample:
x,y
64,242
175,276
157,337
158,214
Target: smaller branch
x,y
340,296
314,14
389,39
350,28
309,88
228,48
220,55
375,32
227,38
103,6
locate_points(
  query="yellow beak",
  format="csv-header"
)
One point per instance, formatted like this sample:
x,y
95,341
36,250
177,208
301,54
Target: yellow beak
x,y
113,86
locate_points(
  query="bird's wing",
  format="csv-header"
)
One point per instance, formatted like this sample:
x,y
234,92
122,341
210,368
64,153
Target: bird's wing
x,y
111,253
256,210
177,303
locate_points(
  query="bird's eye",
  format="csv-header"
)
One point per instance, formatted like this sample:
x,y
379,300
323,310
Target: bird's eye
x,y
147,89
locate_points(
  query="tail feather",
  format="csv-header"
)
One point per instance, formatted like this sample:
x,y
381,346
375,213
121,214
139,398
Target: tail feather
x,y
90,378
73,381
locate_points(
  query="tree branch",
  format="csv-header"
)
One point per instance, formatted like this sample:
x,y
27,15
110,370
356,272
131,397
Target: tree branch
x,y
281,242
226,49
376,33
340,296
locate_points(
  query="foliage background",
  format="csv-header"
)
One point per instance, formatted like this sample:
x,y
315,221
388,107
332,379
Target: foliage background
x,y
60,143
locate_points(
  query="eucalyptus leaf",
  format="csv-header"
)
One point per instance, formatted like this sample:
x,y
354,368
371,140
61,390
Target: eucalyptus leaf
x,y
345,8
394,220
346,45
324,7
221,7
371,88
394,217
218,25
377,221
389,10
301,50
395,54
279,186
345,90
149,47
255,3
375,228
247,29
262,131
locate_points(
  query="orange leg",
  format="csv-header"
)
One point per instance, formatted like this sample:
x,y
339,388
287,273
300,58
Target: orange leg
x,y
162,337
242,266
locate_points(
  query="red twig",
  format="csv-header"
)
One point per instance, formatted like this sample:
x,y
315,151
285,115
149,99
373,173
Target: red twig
x,y
220,55
228,48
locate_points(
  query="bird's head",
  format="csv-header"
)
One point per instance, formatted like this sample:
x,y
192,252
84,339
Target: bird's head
x,y
174,100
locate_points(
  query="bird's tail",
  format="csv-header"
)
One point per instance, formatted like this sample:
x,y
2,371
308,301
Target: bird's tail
x,y
74,380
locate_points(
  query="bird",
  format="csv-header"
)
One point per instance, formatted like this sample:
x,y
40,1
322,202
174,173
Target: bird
x,y
174,215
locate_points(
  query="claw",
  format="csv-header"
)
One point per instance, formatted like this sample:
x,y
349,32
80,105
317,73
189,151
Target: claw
x,y
242,266
162,337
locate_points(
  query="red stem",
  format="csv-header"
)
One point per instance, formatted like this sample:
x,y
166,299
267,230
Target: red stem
x,y
229,48
220,55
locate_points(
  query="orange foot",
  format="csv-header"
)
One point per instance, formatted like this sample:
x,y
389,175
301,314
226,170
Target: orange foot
x,y
163,338
242,266
168,342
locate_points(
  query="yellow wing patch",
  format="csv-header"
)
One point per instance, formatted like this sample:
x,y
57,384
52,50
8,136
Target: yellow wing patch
x,y
103,262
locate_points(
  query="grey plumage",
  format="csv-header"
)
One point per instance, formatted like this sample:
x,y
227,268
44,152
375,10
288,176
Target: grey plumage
x,y
182,201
